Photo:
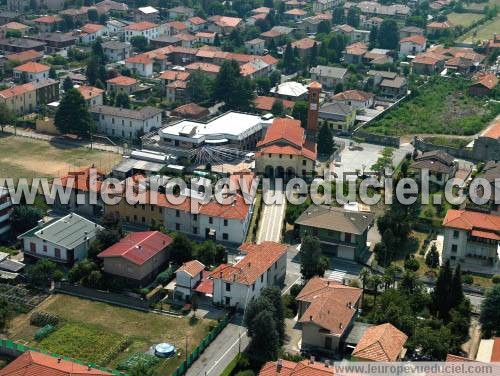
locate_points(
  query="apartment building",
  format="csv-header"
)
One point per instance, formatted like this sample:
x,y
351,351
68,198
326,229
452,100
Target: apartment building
x,y
146,29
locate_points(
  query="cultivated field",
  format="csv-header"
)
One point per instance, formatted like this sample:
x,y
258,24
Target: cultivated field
x,y
482,32
480,6
29,158
90,330
464,19
441,107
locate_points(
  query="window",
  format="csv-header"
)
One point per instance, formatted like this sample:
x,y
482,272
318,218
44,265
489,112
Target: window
x,y
143,220
456,234
195,230
228,300
135,218
177,226
281,156
225,236
228,287
276,265
32,247
195,217
262,278
210,220
347,237
45,248
177,213
291,156
253,286
269,155
160,210
225,222
304,162
454,248
57,252
143,207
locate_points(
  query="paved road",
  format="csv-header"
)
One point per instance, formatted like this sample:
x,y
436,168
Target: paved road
x,y
271,221
221,351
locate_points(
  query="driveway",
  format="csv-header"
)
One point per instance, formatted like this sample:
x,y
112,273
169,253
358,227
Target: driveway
x,y
271,221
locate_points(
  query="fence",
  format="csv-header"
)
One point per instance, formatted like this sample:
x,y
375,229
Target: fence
x,y
10,348
195,354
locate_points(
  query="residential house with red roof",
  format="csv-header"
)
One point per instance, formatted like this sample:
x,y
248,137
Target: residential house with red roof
x,y
327,310
224,24
196,24
140,64
354,98
14,27
35,363
484,83
308,367
25,56
90,32
23,99
146,29
138,257
122,84
187,278
263,265
472,239
47,24
427,64
284,151
31,71
412,45
265,104
381,343
92,95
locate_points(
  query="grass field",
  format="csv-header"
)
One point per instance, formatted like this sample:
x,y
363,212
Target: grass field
x,y
28,158
464,19
482,32
96,321
440,107
480,6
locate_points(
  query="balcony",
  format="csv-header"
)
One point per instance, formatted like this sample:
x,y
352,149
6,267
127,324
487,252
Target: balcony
x,y
5,205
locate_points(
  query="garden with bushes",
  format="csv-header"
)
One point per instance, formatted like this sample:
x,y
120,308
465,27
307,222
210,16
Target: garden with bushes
x,y
442,106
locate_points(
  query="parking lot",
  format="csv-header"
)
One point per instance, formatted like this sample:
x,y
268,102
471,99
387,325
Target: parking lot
x,y
362,158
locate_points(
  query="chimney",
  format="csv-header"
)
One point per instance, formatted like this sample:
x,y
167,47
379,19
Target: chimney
x,y
312,359
327,363
310,318
340,326
40,223
59,360
279,365
220,274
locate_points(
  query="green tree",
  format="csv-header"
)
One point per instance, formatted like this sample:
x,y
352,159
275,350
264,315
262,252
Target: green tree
x,y
388,34
181,249
489,317
442,291
67,84
98,51
92,71
6,116
233,89
52,73
72,115
456,294
289,61
353,15
24,218
4,313
338,15
198,87
373,37
433,339
277,108
432,257
139,42
41,273
264,344
324,27
122,100
325,140
141,369
273,294
92,15
299,112
312,263
364,276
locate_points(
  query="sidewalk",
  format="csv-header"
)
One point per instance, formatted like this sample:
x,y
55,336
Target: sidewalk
x,y
21,132
221,351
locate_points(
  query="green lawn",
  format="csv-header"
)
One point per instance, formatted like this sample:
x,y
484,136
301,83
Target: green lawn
x,y
106,325
84,342
440,107
480,6
28,158
482,32
464,19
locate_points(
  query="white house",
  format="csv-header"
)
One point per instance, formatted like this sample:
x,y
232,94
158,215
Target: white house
x,y
92,95
205,37
147,13
126,123
63,240
195,24
355,98
90,32
186,279
263,266
472,239
146,29
115,27
255,46
31,71
116,51
140,64
412,45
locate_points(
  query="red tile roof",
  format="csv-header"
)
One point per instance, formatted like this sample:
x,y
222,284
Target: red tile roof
x,y
192,268
17,90
206,285
481,223
138,247
488,80
37,364
259,258
91,28
495,352
204,67
32,67
332,304
14,26
172,75
191,110
177,25
264,103
89,92
225,21
81,179
493,131
48,19
196,20
381,343
303,368
417,39
139,59
140,26
25,56
304,44
122,80
296,12
353,95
